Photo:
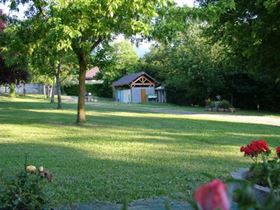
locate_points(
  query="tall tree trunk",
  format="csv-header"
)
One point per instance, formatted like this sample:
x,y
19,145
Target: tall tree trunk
x,y
12,90
6,88
58,86
24,89
49,90
81,114
45,91
53,90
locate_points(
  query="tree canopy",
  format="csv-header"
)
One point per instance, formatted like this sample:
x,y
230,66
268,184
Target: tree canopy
x,y
226,48
251,29
115,60
13,69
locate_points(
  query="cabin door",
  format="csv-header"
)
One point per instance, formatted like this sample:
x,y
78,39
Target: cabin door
x,y
143,96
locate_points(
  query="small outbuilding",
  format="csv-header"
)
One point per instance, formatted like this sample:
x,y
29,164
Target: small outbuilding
x,y
161,94
135,88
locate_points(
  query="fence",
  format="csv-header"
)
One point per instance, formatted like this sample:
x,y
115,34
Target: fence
x,y
29,89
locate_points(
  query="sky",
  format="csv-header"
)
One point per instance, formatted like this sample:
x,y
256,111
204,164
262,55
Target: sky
x,y
144,46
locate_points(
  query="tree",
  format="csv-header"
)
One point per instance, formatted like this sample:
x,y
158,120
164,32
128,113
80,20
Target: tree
x,y
191,68
115,60
12,75
250,28
89,31
230,54
124,56
50,59
13,68
89,23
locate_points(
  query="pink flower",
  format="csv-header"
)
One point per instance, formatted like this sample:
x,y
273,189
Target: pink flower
x,y
212,196
278,151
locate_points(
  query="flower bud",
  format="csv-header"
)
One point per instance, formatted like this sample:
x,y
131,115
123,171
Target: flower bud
x,y
212,196
31,169
41,169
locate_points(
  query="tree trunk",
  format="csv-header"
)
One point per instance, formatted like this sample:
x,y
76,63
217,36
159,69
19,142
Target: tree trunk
x,y
81,114
49,88
6,88
24,90
12,90
53,90
44,91
58,86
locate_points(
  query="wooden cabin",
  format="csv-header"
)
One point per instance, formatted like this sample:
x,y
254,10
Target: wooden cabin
x,y
135,88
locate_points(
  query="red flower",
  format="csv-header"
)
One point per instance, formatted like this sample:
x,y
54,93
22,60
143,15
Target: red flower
x,y
212,196
278,151
255,148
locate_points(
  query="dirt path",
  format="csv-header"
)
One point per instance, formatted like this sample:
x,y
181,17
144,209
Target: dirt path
x,y
265,120
70,99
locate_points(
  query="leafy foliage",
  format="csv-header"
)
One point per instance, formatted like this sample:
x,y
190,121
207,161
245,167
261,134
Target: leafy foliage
x,y
24,191
187,67
207,54
13,67
258,20
12,74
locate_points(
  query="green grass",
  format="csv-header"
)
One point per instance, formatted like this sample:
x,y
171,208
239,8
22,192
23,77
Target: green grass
x,y
123,150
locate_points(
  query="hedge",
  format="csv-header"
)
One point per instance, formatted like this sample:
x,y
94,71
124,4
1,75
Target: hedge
x,y
100,90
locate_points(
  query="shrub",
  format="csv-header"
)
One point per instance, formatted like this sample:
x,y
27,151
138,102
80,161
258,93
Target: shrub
x,y
72,90
218,104
212,104
25,190
100,90
264,171
224,104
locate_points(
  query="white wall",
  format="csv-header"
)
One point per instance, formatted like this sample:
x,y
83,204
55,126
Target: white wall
x,y
136,93
123,96
29,88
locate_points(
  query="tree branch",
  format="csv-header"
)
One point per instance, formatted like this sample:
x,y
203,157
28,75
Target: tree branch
x,y
95,44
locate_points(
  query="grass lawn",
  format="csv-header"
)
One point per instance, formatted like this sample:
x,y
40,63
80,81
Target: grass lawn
x,y
121,152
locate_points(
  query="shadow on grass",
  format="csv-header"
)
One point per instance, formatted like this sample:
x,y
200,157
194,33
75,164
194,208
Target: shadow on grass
x,y
42,105
25,113
113,156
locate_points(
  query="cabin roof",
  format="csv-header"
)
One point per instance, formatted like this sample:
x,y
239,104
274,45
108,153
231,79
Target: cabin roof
x,y
128,79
